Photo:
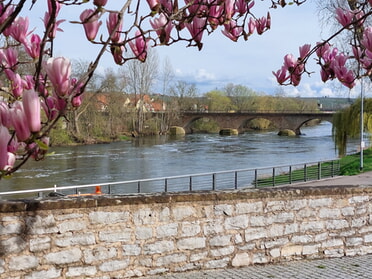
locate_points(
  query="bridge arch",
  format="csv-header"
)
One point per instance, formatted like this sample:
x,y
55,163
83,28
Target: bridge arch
x,y
282,120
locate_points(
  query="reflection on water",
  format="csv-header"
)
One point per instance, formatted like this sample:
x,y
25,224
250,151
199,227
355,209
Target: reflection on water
x,y
166,156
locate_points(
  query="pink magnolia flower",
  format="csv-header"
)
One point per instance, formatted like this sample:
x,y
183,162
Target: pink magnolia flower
x,y
281,75
251,26
304,50
19,121
262,24
59,71
76,101
196,29
344,17
153,4
345,76
55,27
163,27
367,38
33,46
19,29
31,105
232,31
100,3
5,115
114,27
139,47
290,61
229,9
17,83
9,58
215,17
6,159
90,22
5,12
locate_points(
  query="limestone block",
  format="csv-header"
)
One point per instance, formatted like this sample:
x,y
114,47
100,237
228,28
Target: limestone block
x,y
296,204
12,245
124,235
359,199
182,212
41,225
337,224
158,247
167,230
328,213
312,226
170,259
12,228
323,202
143,233
50,273
76,239
292,250
23,262
245,208
39,244
103,217
260,258
212,228
145,216
114,265
191,243
99,254
81,271
131,250
237,222
190,229
310,249
255,233
73,226
332,243
224,251
223,209
64,257
221,240
222,263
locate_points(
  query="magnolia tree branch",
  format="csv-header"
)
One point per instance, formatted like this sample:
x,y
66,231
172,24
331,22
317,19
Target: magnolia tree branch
x,y
34,103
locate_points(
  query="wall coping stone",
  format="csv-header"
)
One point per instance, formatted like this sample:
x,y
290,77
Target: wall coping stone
x,y
94,201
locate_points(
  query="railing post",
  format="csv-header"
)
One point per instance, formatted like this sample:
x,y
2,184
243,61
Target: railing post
x,y
305,173
139,187
214,181
273,176
109,189
190,183
236,180
255,178
166,185
290,174
332,169
319,170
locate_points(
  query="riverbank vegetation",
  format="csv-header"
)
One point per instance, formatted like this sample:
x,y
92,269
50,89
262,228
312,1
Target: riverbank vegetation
x,y
349,165
346,123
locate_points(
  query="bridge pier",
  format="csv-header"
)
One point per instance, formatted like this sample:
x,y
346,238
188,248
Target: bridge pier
x,y
176,131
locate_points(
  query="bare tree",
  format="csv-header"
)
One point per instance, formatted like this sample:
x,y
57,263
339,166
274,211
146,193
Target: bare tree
x,y
140,79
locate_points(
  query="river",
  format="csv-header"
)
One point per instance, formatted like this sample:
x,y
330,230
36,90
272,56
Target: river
x,y
165,156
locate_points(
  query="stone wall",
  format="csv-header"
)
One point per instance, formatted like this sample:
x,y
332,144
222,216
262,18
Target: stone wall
x,y
128,236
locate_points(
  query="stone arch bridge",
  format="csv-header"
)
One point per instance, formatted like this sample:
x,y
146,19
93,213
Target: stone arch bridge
x,y
236,120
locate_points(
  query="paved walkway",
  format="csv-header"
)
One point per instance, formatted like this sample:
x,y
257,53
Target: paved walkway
x,y
359,267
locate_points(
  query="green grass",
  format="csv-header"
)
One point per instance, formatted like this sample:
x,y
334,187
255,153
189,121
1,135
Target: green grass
x,y
350,165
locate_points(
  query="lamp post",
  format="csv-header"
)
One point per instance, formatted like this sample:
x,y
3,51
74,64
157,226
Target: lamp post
x,y
361,124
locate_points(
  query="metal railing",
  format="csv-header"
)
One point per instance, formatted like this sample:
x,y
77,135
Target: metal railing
x,y
222,180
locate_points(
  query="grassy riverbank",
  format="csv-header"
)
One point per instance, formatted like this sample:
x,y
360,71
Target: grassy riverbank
x,y
349,165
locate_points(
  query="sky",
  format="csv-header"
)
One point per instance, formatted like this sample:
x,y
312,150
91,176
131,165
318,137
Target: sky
x,y
222,61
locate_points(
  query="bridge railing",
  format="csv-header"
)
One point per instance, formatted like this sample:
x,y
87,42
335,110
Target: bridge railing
x,y
222,180
316,111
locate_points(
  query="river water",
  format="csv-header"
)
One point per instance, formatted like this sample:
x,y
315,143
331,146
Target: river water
x,y
165,156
